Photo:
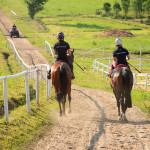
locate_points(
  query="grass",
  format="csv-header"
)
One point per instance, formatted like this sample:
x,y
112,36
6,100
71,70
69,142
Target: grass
x,y
22,127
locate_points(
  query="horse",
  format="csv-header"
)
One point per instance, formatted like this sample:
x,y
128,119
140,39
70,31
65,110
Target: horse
x,y
122,82
61,80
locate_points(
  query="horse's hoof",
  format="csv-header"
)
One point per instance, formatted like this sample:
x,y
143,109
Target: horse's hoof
x,y
69,111
60,114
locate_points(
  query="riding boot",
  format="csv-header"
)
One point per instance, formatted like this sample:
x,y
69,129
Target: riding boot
x,y
49,74
72,74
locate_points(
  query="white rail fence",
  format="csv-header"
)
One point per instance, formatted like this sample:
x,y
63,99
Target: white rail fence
x,y
48,48
140,64
11,46
48,89
104,68
13,14
93,51
141,47
29,74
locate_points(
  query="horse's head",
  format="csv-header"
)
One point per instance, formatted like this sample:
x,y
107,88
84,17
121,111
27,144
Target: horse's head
x,y
71,57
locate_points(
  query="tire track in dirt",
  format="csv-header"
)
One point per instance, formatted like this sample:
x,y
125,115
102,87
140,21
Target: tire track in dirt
x,y
93,125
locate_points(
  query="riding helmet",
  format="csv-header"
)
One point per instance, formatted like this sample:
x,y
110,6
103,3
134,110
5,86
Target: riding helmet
x,y
118,41
60,35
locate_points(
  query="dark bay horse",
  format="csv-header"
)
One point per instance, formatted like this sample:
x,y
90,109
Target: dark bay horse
x,y
61,80
122,82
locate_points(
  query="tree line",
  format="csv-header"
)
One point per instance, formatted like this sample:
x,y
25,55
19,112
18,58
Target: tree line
x,y
139,7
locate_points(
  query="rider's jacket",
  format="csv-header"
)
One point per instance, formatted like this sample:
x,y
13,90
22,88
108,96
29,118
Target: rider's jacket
x,y
61,50
120,53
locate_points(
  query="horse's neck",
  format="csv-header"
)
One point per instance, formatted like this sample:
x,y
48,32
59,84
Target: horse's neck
x,y
70,59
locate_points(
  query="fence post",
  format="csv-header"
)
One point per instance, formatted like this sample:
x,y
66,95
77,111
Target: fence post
x,y
41,72
103,71
50,82
37,87
107,73
146,82
94,65
5,100
98,69
47,88
27,93
140,64
45,72
140,50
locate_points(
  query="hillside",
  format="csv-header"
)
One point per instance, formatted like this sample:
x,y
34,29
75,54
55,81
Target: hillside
x,y
93,123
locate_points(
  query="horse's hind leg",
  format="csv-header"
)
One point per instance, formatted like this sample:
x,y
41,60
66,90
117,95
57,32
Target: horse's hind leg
x,y
123,107
118,96
63,103
69,99
60,108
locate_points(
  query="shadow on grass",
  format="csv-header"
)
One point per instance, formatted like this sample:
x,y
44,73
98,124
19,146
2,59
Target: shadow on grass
x,y
81,25
6,55
14,102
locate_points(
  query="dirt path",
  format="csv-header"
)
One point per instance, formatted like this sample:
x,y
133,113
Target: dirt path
x,y
93,124
27,51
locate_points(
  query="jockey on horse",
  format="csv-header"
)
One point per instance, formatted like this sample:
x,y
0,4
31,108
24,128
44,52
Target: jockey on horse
x,y
62,50
119,56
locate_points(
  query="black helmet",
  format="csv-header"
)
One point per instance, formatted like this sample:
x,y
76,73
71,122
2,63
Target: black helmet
x,y
60,35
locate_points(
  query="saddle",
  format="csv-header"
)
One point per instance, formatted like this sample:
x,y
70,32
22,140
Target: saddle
x,y
120,65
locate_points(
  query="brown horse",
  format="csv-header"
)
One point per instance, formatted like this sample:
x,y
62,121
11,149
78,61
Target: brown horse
x,y
61,80
122,82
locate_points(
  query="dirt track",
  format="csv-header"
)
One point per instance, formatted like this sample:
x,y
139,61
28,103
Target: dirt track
x,y
93,124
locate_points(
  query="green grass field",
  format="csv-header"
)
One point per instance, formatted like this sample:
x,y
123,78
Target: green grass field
x,y
80,25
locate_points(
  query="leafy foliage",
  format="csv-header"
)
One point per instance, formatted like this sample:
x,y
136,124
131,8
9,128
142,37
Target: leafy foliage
x,y
125,6
146,7
117,8
107,7
137,6
34,6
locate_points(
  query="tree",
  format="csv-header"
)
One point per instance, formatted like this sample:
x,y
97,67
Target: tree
x,y
107,7
125,6
117,8
138,8
34,6
146,7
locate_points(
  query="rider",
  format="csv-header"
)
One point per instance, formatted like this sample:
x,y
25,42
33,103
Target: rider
x,y
14,27
119,55
62,50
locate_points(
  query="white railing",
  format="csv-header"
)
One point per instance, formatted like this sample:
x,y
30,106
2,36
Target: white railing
x,y
105,69
146,75
11,46
29,72
139,60
141,46
93,51
13,14
48,89
48,48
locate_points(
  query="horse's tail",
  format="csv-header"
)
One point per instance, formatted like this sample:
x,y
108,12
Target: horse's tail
x,y
127,83
63,81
